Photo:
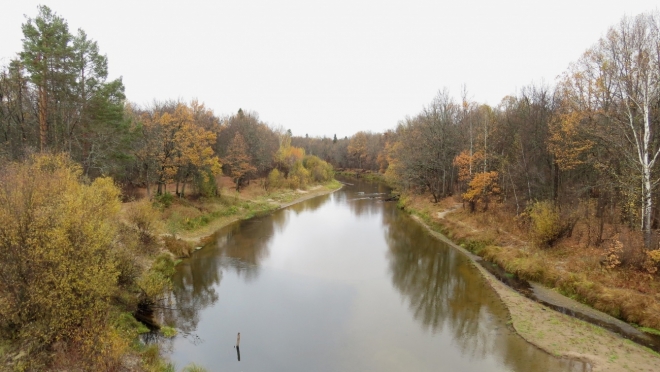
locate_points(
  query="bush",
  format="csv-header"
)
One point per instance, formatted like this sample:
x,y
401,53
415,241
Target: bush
x,y
206,185
178,247
164,201
57,264
274,179
154,282
482,189
143,216
547,225
298,176
320,171
194,368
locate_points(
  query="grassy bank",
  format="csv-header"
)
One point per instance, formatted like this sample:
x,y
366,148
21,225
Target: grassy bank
x,y
576,273
361,173
190,220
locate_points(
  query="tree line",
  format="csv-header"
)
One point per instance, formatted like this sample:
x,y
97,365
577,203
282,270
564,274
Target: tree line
x,y
591,140
55,96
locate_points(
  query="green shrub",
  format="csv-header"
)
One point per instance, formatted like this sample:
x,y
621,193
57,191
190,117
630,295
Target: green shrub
x,y
165,200
155,281
206,185
230,211
298,176
319,170
127,323
168,331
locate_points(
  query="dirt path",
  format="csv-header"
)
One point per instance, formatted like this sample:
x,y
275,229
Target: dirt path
x,y
562,335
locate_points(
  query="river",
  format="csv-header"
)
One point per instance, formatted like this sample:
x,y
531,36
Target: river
x,y
341,282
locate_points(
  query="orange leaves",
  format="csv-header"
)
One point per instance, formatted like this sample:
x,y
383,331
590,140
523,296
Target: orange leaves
x,y
465,163
482,188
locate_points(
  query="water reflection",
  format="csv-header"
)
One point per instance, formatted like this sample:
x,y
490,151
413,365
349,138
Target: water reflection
x,y
238,248
318,286
193,289
442,289
363,198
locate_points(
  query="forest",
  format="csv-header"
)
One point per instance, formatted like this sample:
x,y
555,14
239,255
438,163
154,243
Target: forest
x,y
589,141
576,155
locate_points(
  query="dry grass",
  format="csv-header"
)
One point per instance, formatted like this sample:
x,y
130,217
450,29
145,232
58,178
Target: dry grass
x,y
573,266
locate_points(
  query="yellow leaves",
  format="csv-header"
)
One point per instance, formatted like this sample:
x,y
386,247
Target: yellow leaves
x,y
357,146
613,253
565,142
176,144
55,262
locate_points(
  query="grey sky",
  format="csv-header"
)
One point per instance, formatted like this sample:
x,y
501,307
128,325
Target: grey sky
x,y
326,67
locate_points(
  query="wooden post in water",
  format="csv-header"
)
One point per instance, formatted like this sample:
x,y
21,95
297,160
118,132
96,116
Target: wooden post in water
x,y
238,343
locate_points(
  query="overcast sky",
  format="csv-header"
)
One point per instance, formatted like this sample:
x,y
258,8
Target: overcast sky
x,y
329,67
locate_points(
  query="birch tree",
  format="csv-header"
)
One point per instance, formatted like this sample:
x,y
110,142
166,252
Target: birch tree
x,y
626,89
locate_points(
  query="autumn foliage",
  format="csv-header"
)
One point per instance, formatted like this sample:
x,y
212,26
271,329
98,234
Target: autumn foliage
x,y
238,161
57,260
483,188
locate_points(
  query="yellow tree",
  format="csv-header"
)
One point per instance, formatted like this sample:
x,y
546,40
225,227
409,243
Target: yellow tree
x,y
357,147
196,156
174,145
565,142
287,155
238,160
57,269
466,163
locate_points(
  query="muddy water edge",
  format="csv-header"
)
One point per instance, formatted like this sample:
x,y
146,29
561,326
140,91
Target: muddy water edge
x,y
342,282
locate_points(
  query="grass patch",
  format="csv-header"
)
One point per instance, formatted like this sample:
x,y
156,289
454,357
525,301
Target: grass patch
x,y
652,331
168,331
194,368
127,323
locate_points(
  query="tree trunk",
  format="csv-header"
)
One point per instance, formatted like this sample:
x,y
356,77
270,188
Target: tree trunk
x,y
43,122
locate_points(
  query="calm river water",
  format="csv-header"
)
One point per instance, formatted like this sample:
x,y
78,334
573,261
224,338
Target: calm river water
x,y
341,282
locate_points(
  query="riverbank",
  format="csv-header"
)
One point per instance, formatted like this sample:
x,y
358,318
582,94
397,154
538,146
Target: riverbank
x,y
249,203
190,220
554,332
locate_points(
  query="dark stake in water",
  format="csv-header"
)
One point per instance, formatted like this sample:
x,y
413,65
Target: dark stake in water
x,y
342,282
